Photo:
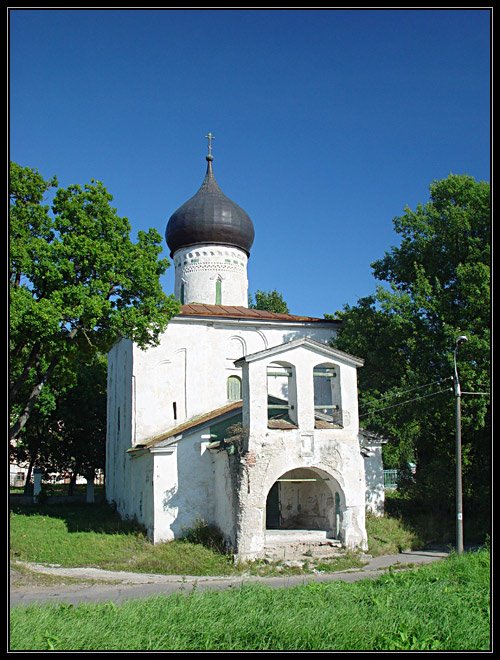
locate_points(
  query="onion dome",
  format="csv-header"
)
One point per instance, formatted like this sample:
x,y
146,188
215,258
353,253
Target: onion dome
x,y
209,217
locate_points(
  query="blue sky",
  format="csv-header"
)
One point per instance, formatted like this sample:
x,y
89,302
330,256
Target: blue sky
x,y
327,123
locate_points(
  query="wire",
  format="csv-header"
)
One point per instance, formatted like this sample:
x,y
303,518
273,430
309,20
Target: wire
x,y
413,389
478,393
418,398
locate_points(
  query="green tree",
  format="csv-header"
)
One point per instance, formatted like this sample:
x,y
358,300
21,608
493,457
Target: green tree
x,y
77,283
437,287
270,301
67,428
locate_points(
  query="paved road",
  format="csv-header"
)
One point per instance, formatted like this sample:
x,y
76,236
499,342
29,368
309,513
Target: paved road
x,y
140,585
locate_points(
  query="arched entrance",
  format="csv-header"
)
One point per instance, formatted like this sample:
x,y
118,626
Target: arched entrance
x,y
305,499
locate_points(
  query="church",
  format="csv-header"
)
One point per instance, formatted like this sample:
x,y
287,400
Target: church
x,y
243,419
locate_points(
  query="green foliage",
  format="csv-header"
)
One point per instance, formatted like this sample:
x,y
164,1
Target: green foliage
x,y
77,284
437,287
207,535
270,301
69,436
443,606
390,535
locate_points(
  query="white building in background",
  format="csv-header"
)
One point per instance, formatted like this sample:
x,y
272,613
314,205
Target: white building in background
x,y
242,418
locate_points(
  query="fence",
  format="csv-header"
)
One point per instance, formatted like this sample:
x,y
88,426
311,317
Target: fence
x,y
391,479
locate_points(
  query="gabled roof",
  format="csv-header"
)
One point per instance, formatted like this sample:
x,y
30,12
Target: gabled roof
x,y
190,424
234,312
317,346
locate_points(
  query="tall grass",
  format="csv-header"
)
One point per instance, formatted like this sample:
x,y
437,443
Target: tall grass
x,y
390,535
442,606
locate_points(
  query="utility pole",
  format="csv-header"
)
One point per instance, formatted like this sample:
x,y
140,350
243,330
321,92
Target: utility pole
x,y
458,447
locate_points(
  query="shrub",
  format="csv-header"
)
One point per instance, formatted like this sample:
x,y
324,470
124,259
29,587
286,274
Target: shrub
x,y
206,534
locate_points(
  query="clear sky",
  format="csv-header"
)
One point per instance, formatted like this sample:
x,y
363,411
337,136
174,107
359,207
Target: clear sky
x,y
327,122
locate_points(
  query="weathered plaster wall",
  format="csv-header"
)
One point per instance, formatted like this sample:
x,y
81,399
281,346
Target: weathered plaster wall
x,y
192,363
185,488
338,461
306,504
374,471
120,422
332,453
197,269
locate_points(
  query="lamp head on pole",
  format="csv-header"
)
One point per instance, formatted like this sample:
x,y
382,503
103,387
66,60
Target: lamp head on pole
x,y
460,340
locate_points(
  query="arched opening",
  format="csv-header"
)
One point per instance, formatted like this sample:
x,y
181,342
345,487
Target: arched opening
x,y
233,388
305,499
281,396
327,404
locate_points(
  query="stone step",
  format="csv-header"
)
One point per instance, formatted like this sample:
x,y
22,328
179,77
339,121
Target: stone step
x,y
282,546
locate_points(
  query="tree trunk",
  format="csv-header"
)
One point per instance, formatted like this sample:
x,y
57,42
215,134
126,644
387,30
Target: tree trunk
x,y
27,483
33,359
72,483
35,393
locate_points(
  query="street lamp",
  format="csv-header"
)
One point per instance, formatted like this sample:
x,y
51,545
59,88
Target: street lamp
x,y
458,436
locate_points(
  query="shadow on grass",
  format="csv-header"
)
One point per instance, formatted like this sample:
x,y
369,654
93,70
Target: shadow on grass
x,y
78,517
436,526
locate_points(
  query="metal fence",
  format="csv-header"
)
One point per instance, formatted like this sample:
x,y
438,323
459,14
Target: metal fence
x,y
391,479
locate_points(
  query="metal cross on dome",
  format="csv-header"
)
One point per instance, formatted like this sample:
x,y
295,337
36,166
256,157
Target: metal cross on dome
x,y
210,137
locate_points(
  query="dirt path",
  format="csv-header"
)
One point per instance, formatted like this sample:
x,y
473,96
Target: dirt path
x,y
89,585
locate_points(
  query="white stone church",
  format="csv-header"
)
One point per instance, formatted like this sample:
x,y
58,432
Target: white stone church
x,y
244,419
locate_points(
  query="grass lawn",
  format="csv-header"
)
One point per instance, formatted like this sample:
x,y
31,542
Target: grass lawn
x,y
442,606
93,535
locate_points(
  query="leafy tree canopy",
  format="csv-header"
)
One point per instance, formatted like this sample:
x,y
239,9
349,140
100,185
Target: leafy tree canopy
x,y
436,288
77,283
270,301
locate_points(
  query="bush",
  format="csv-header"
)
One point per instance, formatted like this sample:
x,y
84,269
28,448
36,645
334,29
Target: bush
x,y
207,535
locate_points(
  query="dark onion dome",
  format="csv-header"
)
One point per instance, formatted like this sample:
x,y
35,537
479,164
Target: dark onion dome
x,y
209,217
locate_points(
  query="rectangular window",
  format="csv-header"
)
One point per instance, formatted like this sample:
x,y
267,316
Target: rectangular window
x,y
281,413
327,412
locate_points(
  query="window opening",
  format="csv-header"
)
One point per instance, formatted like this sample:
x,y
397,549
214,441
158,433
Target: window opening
x,y
327,412
281,412
182,294
234,388
218,292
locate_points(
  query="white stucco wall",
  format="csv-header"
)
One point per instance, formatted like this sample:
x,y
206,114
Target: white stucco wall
x,y
120,421
184,485
374,471
128,477
192,363
190,368
197,268
332,453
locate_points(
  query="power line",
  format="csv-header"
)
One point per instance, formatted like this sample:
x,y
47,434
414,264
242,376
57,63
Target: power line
x,y
413,389
478,393
401,403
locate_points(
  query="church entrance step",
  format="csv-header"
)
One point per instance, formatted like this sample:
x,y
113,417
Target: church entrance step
x,y
296,544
